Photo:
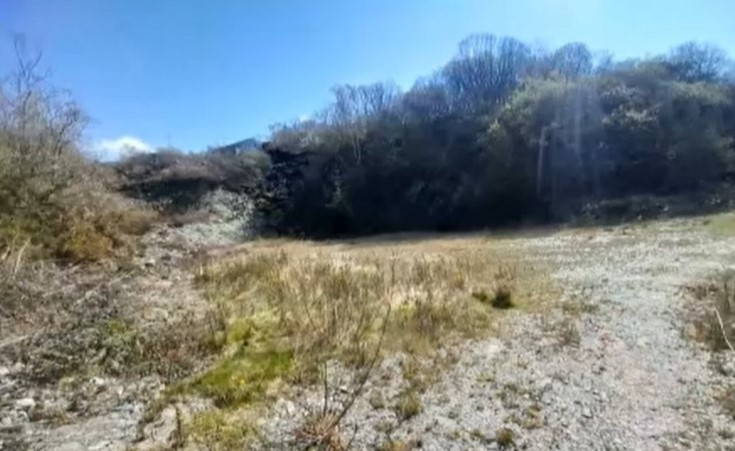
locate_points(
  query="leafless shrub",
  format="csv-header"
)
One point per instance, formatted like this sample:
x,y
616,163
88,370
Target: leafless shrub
x,y
49,193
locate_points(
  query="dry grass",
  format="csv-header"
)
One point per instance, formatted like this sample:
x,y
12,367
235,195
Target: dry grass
x,y
714,323
395,445
568,333
77,227
287,308
408,404
65,321
14,296
300,304
727,401
714,317
50,194
322,430
505,438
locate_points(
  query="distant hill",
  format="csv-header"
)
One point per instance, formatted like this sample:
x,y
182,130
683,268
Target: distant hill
x,y
246,145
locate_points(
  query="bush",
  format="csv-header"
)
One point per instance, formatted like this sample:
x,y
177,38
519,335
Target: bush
x,y
50,195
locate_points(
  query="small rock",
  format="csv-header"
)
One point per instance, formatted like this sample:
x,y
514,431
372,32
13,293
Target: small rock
x,y
587,413
290,408
546,384
159,432
4,371
25,403
727,367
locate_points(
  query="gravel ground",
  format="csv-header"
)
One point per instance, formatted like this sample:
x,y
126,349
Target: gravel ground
x,y
231,221
618,375
617,372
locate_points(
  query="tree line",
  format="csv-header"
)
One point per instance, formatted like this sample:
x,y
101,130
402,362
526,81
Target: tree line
x,y
502,133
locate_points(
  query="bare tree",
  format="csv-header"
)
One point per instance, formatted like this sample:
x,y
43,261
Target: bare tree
x,y
427,100
485,71
572,60
355,108
693,62
39,129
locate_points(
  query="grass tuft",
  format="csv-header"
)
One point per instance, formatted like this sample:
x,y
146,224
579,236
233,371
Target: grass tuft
x,y
727,401
321,431
245,377
715,318
408,404
505,438
220,430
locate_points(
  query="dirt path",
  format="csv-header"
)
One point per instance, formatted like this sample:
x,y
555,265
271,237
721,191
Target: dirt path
x,y
635,381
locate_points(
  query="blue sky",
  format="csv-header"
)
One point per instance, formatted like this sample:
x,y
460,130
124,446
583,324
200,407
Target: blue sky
x,y
197,73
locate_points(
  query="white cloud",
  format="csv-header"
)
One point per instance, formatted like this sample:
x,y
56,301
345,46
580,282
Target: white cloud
x,y
114,149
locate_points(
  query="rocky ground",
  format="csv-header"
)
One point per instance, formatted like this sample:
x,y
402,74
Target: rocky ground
x,y
611,366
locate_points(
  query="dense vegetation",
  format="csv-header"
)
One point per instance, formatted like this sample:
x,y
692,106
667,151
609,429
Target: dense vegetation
x,y
504,133
53,201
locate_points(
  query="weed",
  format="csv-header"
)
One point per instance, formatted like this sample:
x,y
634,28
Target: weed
x,y
727,401
568,333
480,436
244,377
408,404
532,417
486,377
455,435
376,400
395,445
322,429
509,395
715,320
579,305
385,426
502,297
505,438
220,429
